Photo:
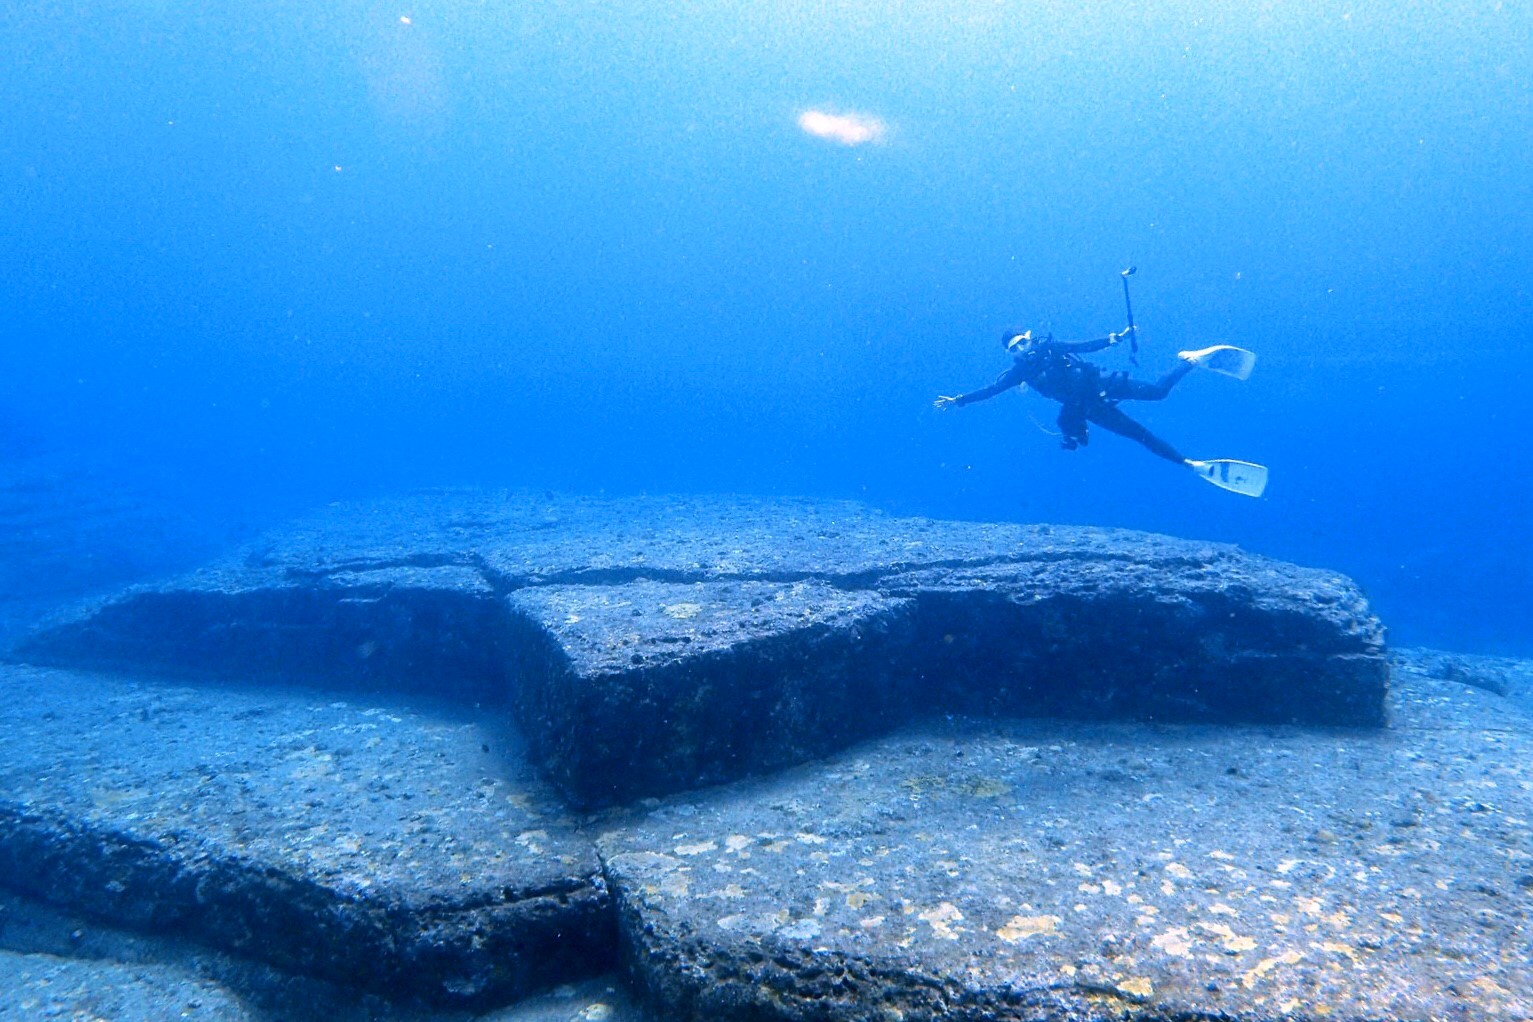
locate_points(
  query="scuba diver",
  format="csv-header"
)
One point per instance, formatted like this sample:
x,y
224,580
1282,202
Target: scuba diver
x,y
1086,394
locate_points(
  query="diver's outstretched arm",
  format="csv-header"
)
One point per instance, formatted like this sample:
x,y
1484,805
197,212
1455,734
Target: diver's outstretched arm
x,y
1012,377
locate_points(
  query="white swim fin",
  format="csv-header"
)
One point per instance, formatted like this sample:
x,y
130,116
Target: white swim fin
x,y
1223,358
1235,476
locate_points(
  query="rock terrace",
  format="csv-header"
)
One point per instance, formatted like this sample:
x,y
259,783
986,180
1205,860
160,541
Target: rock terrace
x,y
453,749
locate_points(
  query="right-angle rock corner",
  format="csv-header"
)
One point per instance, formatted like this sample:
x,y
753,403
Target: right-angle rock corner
x,y
652,645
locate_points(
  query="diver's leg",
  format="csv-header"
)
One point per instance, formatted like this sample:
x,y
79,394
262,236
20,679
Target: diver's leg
x,y
1111,419
1072,426
1122,388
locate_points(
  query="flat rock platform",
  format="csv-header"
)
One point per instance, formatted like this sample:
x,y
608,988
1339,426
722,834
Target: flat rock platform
x,y
776,760
390,848
653,645
1049,870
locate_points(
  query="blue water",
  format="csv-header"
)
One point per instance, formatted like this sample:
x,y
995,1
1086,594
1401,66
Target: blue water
x,y
259,256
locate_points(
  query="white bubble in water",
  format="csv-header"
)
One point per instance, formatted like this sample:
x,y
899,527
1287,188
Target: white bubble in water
x,y
846,129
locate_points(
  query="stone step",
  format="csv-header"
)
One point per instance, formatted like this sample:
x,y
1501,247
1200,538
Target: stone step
x,y
651,645
405,850
1050,870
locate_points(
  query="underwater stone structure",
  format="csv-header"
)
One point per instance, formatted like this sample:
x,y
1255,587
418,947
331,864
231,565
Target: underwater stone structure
x,y
1056,871
446,749
654,645
401,850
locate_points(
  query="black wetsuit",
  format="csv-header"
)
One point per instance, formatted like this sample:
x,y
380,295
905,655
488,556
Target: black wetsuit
x,y
1084,392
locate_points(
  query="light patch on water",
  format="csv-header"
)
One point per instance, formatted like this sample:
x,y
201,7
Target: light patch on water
x,y
848,129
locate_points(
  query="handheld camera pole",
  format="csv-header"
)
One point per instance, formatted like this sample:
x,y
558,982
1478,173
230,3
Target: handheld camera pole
x,y
1133,334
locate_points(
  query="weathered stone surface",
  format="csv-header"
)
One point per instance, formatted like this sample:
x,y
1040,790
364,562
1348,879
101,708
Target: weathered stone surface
x,y
604,999
1068,871
1142,631
132,970
1505,676
424,630
653,687
651,645
40,986
406,851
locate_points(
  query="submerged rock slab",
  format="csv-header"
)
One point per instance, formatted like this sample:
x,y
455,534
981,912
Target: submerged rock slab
x,y
654,687
1505,676
41,986
654,644
1071,871
400,850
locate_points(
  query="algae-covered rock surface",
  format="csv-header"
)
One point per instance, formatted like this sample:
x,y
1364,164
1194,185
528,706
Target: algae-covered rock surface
x,y
42,986
392,848
1054,870
778,759
55,963
652,645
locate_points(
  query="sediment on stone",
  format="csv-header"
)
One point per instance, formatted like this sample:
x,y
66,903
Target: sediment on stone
x,y
393,849
650,688
1046,870
771,632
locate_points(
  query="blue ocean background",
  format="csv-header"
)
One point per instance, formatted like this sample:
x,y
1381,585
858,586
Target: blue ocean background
x,y
262,256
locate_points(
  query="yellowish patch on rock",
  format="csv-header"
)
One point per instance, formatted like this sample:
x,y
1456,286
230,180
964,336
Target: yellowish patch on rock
x,y
986,787
1231,940
941,920
1175,941
919,786
698,849
1490,988
736,842
1266,965
1179,871
1138,986
313,764
682,611
1020,927
1336,947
